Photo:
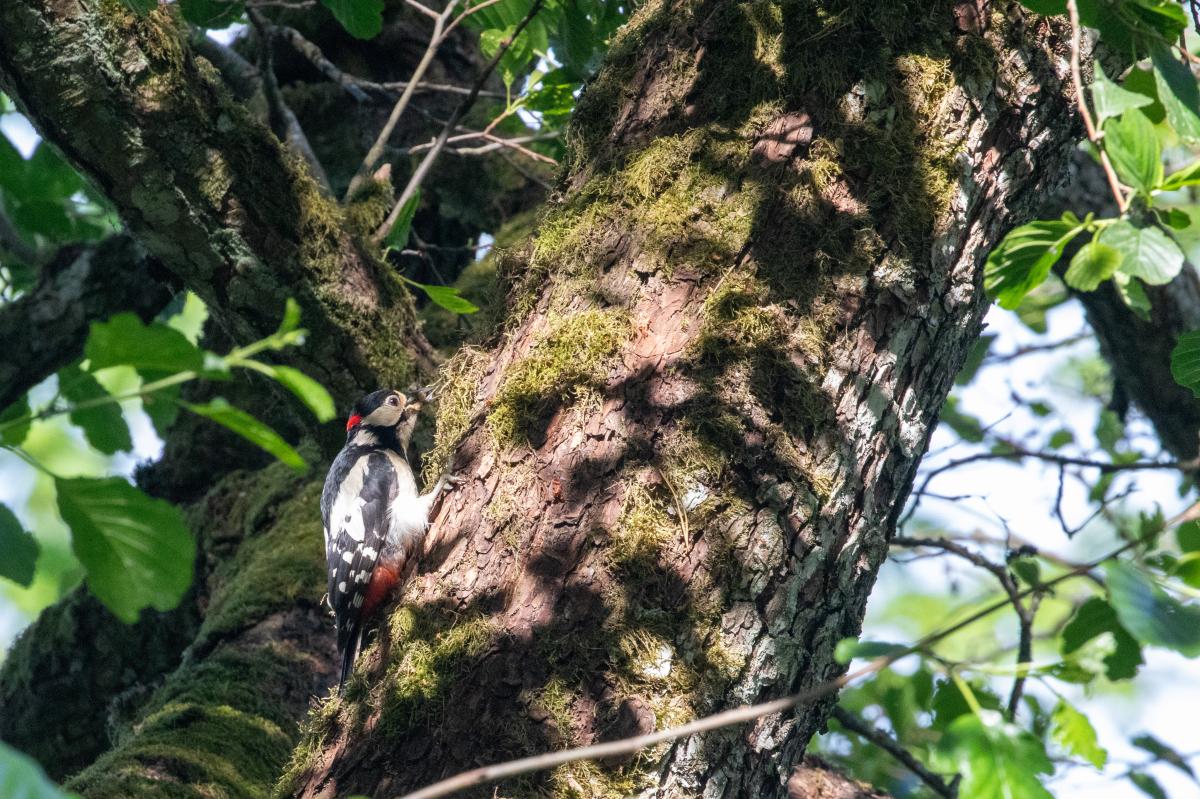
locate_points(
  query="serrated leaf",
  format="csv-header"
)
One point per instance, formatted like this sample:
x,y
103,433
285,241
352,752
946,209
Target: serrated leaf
x,y
1096,617
19,548
1146,252
397,237
1092,265
1074,733
13,432
212,13
125,341
136,550
363,19
1185,361
249,428
104,424
22,778
1178,92
1024,258
1133,147
1111,100
1150,614
997,760
850,648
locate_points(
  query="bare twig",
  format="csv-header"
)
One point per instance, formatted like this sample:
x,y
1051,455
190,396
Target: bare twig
x,y
1025,615
496,143
326,67
892,747
427,162
740,715
1093,135
376,151
1031,349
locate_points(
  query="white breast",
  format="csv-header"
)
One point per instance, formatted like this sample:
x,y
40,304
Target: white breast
x,y
408,516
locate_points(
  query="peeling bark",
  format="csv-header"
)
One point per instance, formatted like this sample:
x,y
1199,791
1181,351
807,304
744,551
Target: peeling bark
x,y
723,360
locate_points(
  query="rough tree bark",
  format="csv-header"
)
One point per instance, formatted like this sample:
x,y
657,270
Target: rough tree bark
x,y
726,347
724,351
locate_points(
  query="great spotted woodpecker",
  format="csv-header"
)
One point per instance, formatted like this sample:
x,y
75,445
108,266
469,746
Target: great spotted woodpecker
x,y
374,519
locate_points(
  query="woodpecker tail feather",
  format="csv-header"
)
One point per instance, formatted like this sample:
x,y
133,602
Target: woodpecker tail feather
x,y
348,656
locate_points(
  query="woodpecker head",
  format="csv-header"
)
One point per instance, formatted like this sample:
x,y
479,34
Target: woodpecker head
x,y
383,409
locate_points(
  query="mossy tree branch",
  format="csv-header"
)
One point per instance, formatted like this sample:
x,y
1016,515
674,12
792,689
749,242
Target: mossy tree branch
x,y
206,188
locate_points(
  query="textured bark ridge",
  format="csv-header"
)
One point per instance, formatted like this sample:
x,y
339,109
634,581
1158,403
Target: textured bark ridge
x,y
726,346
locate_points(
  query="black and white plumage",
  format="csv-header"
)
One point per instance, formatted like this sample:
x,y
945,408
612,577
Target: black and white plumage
x,y
374,519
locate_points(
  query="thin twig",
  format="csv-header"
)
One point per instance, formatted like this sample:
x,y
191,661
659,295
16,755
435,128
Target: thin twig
x,y
427,162
740,715
1025,616
376,151
890,745
1093,135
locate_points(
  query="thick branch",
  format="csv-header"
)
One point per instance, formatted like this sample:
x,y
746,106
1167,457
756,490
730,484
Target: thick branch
x,y
45,329
206,188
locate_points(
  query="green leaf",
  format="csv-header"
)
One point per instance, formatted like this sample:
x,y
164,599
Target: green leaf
x,y
1096,617
1150,614
1146,252
447,297
162,406
975,357
22,778
19,547
104,424
211,13
249,428
1163,752
1133,295
1133,147
1110,100
948,702
1023,260
1147,785
1185,362
124,341
1187,568
136,550
1060,438
291,317
307,390
1131,25
1074,733
14,436
1027,569
1179,93
1092,265
140,7
1188,176
1188,536
363,19
397,237
997,760
850,648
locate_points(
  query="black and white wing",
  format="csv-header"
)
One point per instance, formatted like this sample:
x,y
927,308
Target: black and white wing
x,y
355,508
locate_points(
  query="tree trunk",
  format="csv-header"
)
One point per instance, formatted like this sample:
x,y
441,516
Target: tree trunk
x,y
725,351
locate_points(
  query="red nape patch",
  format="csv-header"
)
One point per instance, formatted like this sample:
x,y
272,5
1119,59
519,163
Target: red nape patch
x,y
352,421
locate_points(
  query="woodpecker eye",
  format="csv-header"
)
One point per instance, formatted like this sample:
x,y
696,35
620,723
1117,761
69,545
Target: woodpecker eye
x,y
393,401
